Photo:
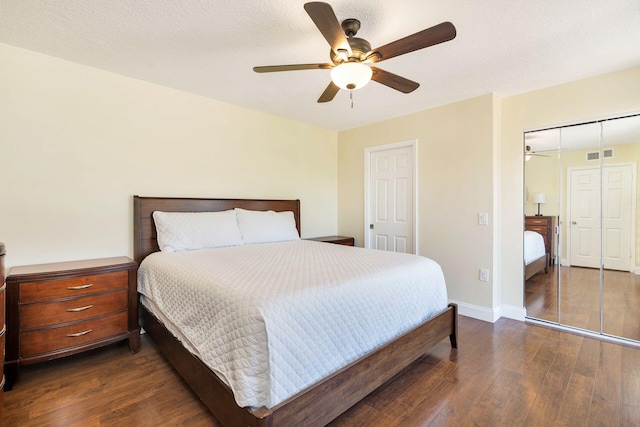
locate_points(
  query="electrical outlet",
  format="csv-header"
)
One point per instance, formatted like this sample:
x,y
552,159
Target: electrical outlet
x,y
484,275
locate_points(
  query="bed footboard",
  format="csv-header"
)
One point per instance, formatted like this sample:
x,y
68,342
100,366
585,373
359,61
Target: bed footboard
x,y
324,401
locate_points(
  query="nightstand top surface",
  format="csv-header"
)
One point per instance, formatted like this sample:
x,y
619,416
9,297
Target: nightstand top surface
x,y
70,266
326,238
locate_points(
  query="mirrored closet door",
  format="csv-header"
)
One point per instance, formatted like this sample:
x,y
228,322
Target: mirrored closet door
x,y
581,243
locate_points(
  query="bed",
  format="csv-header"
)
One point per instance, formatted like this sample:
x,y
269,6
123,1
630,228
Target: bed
x,y
315,404
536,259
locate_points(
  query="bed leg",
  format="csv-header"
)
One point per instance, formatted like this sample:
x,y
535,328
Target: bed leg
x,y
454,336
546,265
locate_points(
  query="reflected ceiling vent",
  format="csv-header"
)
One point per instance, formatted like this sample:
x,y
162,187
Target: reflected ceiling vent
x,y
595,155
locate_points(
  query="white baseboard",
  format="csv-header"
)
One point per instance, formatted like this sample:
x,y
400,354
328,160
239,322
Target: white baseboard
x,y
513,312
475,311
634,269
489,315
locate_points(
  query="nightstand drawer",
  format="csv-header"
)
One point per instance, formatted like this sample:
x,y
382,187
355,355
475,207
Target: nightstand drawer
x,y
3,333
73,287
47,340
3,290
42,314
537,221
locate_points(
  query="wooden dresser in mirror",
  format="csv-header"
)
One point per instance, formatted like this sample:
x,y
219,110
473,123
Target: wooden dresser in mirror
x,y
543,225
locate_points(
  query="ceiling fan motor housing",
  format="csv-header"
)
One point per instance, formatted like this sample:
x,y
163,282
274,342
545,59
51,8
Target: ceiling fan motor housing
x,y
359,49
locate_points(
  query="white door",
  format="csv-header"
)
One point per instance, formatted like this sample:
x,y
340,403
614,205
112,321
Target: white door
x,y
391,200
616,217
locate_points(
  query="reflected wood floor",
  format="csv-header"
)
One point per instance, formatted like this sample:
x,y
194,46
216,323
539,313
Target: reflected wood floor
x,y
504,374
580,300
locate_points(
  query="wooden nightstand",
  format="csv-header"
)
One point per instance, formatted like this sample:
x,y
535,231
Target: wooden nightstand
x,y
338,240
4,327
55,310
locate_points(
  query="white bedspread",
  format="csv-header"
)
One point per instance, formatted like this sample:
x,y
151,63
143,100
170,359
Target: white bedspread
x,y
272,319
533,246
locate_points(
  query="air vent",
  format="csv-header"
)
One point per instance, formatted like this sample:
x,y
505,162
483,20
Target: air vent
x,y
595,155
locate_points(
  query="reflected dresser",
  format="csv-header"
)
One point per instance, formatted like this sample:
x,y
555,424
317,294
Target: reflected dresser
x,y
543,225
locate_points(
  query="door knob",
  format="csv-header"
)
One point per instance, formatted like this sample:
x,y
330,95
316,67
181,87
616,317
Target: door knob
x,y
573,223
370,226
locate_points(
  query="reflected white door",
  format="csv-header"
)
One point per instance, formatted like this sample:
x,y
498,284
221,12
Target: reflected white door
x,y
585,217
616,222
616,217
391,200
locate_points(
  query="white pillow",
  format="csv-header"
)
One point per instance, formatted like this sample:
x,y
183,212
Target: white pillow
x,y
266,226
184,231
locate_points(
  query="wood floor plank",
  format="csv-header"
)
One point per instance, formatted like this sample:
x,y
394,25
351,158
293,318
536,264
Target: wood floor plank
x,y
517,408
574,410
552,390
606,402
630,377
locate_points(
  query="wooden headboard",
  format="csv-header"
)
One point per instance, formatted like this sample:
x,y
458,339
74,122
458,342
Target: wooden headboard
x,y
144,230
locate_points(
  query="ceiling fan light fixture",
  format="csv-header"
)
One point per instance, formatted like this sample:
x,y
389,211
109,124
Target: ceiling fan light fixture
x,y
351,75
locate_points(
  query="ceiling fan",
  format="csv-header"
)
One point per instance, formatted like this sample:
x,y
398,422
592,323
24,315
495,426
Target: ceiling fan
x,y
528,153
351,56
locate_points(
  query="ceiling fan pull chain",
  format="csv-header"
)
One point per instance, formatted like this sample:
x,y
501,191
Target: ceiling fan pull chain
x,y
351,98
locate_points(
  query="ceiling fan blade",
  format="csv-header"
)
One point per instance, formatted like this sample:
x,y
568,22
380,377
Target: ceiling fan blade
x,y
274,68
329,93
529,152
325,19
440,33
394,81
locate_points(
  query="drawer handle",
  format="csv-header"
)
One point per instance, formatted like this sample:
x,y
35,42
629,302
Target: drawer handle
x,y
77,288
79,334
74,310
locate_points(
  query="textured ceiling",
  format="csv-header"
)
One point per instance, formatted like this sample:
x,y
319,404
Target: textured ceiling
x,y
209,48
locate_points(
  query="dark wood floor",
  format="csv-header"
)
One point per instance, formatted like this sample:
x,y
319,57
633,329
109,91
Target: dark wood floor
x,y
503,374
580,300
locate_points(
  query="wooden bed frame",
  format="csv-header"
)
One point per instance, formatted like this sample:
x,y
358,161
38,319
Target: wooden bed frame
x,y
314,406
536,266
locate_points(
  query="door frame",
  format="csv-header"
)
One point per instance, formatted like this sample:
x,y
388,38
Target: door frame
x,y
632,245
413,144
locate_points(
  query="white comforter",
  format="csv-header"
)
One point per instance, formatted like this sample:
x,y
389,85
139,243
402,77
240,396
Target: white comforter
x,y
272,319
533,246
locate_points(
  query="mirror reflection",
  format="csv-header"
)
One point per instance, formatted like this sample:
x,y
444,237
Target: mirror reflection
x,y
581,196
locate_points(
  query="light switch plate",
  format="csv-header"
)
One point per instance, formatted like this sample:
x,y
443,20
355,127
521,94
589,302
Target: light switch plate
x,y
483,218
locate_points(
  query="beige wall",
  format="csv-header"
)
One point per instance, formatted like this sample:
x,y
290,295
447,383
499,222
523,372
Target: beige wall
x,y
77,143
455,183
601,96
